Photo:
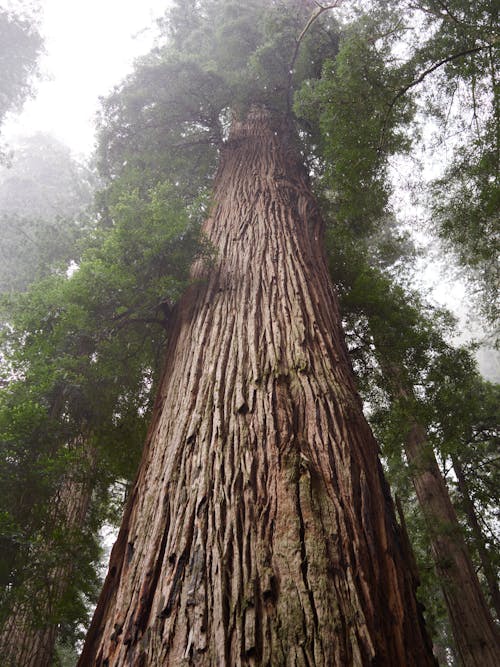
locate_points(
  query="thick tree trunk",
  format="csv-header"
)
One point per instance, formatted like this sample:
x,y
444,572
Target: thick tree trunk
x,y
260,530
28,637
474,631
484,556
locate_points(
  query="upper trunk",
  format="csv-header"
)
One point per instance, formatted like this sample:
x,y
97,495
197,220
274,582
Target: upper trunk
x,y
260,530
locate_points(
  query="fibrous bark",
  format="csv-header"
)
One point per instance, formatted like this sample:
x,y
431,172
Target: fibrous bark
x,y
260,530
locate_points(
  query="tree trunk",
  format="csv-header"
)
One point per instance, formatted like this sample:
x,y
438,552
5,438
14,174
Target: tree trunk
x,y
260,530
474,631
479,541
28,636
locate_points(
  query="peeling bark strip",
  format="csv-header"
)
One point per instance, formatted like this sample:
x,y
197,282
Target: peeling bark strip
x,y
263,531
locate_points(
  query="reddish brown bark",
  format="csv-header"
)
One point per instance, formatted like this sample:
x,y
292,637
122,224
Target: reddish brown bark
x,y
260,530
476,636
28,636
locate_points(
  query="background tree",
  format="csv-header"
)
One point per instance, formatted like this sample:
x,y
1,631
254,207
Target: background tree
x,y
45,210
21,45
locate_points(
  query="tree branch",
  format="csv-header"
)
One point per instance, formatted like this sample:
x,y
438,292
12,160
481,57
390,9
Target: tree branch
x,y
420,78
321,9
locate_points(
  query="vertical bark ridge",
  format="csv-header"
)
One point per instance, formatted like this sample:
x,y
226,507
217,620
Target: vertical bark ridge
x,y
281,546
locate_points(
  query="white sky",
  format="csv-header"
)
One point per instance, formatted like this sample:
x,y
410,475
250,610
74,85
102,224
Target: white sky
x,y
90,46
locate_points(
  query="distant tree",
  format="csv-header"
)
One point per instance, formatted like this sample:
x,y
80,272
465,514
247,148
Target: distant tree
x,y
45,199
20,48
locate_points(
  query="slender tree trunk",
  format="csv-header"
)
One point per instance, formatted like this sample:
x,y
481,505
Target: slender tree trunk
x,y
260,530
484,557
28,636
474,631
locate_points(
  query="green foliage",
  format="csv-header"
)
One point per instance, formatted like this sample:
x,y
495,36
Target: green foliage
x,y
20,47
455,64
465,205
45,198
220,58
354,135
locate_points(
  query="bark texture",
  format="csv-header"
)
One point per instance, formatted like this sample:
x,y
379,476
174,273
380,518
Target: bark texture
x,y
28,637
474,631
260,530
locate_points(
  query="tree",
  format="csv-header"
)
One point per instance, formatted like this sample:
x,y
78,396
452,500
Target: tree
x,y
259,528
20,49
45,199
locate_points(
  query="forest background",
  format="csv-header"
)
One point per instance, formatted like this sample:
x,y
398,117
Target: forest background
x,y
83,282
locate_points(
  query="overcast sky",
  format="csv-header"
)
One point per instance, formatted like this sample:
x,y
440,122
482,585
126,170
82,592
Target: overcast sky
x,y
90,46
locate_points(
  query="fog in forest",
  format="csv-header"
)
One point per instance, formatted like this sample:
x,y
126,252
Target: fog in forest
x,y
162,169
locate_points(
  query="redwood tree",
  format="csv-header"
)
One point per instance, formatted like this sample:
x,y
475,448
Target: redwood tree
x,y
28,636
260,529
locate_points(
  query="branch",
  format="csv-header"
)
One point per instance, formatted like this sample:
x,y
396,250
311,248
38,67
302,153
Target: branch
x,y
419,79
321,9
449,13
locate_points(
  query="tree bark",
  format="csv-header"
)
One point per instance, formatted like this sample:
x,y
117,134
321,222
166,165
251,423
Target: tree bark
x,y
474,631
28,636
479,541
260,530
